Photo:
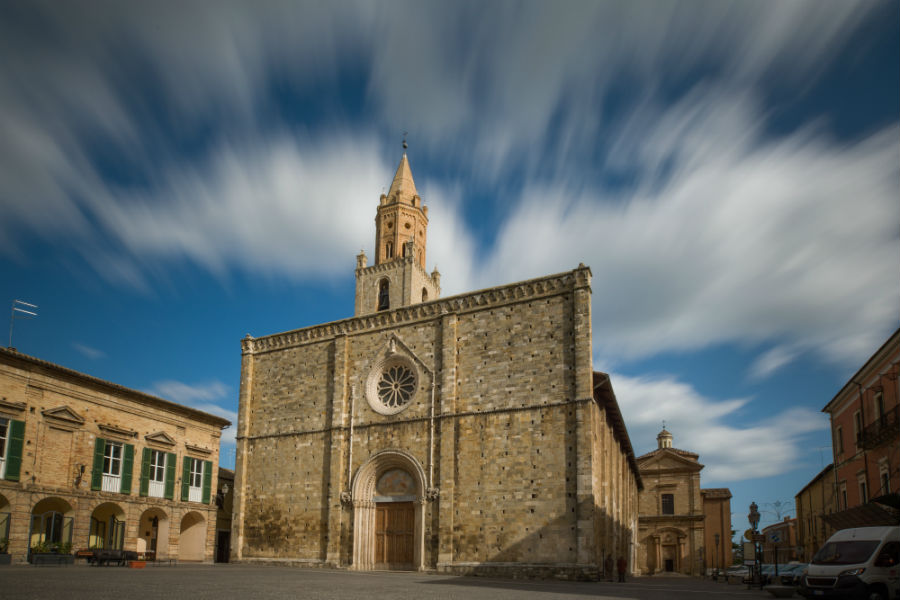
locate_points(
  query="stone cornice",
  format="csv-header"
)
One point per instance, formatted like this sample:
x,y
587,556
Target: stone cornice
x,y
579,278
160,437
117,431
668,518
12,406
56,373
197,449
395,422
63,414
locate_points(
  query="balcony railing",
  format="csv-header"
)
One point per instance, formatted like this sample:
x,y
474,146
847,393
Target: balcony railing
x,y
882,430
111,483
157,489
195,494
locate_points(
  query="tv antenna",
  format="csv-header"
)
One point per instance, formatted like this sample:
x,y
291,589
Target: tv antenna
x,y
18,312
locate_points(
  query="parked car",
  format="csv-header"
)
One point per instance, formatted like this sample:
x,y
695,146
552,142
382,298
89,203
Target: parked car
x,y
862,562
791,573
767,571
736,574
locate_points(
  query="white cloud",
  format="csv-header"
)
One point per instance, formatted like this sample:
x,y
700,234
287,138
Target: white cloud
x,y
205,397
729,451
283,206
89,352
772,360
188,394
742,240
451,246
726,235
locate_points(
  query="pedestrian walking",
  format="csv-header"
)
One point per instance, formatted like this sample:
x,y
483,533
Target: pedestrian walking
x,y
621,565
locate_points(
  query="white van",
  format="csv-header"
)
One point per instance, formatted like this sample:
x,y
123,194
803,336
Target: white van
x,y
856,563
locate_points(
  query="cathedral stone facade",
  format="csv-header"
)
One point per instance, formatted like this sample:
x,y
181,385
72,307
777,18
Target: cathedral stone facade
x,y
463,435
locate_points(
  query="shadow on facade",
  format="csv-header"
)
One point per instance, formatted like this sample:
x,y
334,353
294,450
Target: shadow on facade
x,y
548,552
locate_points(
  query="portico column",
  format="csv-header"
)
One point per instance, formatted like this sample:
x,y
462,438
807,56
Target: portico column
x,y
658,543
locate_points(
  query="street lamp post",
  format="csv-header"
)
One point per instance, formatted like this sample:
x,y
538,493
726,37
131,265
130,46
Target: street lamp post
x,y
753,517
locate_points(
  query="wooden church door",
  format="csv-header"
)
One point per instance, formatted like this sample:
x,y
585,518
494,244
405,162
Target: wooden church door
x,y
394,530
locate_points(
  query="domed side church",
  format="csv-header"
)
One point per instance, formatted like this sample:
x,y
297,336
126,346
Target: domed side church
x,y
465,435
682,528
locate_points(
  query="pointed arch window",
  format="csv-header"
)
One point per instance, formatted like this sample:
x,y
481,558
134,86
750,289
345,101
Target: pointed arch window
x,y
384,295
389,250
424,295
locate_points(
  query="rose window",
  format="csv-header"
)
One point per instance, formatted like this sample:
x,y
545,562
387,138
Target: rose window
x,y
396,386
392,384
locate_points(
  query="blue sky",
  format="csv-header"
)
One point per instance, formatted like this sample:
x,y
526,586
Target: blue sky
x,y
176,175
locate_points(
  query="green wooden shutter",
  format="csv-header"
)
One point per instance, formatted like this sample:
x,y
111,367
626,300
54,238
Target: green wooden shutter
x,y
14,449
97,471
185,478
145,472
170,475
127,468
207,480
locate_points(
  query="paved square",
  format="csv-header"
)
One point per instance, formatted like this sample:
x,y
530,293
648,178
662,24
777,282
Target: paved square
x,y
217,582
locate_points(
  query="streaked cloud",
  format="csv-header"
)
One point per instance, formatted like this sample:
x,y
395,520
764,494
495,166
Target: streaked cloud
x,y
87,351
189,394
726,232
771,361
207,397
732,444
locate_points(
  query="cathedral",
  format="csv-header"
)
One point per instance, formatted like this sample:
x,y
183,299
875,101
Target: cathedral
x,y
461,435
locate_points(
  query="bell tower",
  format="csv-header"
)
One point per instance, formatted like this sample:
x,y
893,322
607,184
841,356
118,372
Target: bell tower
x,y
398,277
401,219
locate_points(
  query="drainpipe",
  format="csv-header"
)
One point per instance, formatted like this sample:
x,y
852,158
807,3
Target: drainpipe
x,y
350,457
862,417
431,437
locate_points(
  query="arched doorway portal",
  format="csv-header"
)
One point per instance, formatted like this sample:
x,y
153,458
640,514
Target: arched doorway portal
x,y
669,550
51,523
107,527
389,513
192,540
153,534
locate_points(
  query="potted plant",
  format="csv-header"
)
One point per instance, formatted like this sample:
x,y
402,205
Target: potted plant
x,y
45,553
5,556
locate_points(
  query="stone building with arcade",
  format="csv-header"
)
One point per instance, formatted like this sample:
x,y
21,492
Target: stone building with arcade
x,y
465,435
85,463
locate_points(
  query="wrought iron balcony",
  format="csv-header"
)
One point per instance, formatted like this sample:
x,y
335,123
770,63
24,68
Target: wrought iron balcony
x,y
882,430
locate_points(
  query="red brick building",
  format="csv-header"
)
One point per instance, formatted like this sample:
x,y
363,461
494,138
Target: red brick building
x,y
865,427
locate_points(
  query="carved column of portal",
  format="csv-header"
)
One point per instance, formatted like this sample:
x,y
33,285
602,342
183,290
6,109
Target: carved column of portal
x,y
364,530
419,552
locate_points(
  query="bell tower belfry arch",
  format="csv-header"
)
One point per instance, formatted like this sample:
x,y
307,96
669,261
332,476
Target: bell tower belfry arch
x,y
398,277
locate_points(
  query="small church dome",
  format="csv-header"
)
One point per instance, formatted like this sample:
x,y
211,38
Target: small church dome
x,y
664,439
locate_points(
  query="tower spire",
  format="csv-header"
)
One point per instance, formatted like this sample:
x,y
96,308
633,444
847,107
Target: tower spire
x,y
403,188
398,276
